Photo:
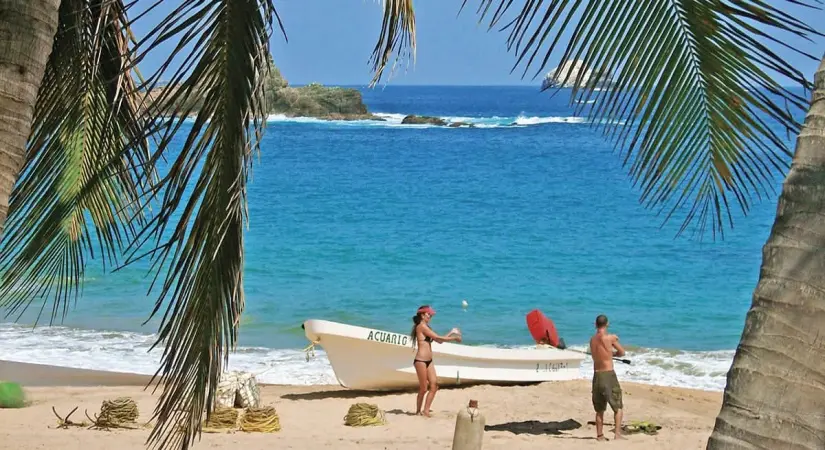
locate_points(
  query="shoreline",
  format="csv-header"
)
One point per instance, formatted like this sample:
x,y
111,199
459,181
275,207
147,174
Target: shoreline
x,y
529,417
129,353
49,375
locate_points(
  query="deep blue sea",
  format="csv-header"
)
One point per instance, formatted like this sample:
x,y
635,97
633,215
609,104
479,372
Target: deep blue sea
x,y
362,222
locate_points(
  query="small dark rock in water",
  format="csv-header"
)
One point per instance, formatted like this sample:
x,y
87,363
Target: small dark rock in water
x,y
412,119
461,124
344,116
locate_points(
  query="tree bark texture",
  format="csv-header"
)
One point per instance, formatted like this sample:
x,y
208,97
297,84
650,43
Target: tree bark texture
x,y
775,393
27,29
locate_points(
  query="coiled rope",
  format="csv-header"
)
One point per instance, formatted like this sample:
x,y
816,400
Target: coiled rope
x,y
364,414
121,412
221,420
261,420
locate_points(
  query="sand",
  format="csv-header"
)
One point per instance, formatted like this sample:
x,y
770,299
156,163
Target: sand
x,y
549,415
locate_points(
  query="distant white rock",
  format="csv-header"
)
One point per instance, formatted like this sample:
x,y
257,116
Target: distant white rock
x,y
566,75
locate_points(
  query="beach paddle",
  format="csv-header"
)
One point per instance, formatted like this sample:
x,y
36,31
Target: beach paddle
x,y
622,360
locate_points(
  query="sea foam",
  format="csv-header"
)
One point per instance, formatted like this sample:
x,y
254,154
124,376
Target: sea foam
x,y
394,120
129,352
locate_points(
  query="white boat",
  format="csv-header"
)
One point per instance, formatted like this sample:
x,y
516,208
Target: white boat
x,y
373,359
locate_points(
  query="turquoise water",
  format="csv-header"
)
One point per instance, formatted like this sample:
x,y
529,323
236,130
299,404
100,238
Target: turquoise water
x,y
362,222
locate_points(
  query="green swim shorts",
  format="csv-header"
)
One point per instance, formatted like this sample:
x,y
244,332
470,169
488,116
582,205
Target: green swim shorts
x,y
606,390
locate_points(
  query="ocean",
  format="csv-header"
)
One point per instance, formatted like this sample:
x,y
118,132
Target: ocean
x,y
361,222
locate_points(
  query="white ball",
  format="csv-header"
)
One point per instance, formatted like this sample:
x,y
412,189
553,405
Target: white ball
x,y
464,303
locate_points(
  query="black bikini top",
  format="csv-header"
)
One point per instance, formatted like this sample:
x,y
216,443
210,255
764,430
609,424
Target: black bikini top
x,y
427,339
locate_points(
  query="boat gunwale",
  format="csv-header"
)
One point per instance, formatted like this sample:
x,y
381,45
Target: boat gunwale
x,y
447,349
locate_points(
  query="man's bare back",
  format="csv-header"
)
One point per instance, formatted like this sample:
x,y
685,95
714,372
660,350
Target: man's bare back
x,y
601,348
606,389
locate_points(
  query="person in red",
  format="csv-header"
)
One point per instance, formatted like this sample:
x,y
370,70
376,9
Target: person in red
x,y
422,337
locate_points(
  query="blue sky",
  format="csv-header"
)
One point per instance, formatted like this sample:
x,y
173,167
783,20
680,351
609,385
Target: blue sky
x,y
330,42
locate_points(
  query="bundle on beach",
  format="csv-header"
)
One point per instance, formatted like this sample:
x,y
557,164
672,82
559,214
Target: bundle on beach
x,y
121,412
641,427
222,419
364,414
261,420
237,389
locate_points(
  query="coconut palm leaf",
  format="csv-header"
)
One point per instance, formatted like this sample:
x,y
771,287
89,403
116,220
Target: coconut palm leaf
x,y
196,236
397,35
76,182
690,83
89,173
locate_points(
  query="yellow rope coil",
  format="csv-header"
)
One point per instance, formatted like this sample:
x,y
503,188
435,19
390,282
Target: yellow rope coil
x,y
222,419
364,414
261,420
117,412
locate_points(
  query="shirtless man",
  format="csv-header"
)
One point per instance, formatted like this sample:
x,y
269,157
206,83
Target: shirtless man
x,y
606,388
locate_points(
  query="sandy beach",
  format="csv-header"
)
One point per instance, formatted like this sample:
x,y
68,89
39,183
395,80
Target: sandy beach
x,y
550,415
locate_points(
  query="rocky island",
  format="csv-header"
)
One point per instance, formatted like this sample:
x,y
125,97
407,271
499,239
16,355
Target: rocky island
x,y
558,77
312,100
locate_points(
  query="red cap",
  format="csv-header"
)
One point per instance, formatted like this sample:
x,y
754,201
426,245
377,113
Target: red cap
x,y
426,309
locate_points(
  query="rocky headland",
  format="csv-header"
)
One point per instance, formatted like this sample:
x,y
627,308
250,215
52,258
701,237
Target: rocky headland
x,y
313,100
566,75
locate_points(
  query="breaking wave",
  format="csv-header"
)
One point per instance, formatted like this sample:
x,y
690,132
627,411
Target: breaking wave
x,y
129,352
393,120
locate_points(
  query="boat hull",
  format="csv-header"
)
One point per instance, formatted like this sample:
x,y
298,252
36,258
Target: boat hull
x,y
373,359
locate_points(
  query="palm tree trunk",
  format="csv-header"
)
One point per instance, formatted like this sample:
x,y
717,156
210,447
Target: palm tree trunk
x,y
775,393
27,29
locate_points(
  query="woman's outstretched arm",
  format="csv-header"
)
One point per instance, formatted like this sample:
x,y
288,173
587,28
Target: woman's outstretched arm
x,y
452,337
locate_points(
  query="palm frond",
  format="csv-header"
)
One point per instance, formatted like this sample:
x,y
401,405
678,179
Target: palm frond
x,y
76,182
690,83
196,236
397,35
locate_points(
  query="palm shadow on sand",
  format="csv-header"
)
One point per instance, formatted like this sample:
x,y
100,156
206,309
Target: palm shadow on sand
x,y
342,393
399,412
536,427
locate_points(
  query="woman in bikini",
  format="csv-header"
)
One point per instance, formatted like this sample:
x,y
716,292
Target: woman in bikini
x,y
423,336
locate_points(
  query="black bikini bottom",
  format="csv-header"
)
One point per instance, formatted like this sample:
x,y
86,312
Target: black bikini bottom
x,y
426,363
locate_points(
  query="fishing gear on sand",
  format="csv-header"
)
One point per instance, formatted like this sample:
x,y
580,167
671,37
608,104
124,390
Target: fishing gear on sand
x,y
261,420
364,414
250,420
222,419
121,412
